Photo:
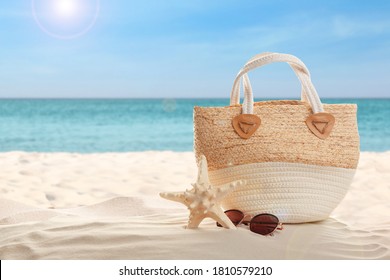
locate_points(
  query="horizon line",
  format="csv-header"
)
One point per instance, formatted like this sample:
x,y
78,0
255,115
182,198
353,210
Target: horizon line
x,y
170,98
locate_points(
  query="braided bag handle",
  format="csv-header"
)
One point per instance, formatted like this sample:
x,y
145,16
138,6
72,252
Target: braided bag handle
x,y
301,72
319,122
309,93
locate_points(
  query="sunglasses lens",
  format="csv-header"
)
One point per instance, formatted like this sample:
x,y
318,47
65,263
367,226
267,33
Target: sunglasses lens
x,y
234,215
264,224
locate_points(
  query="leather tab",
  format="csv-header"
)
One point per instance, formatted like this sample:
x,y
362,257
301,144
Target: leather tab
x,y
246,124
321,124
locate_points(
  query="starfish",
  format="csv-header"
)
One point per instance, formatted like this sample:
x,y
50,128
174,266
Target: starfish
x,y
203,199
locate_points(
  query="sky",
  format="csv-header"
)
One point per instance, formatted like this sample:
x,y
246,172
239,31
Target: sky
x,y
190,49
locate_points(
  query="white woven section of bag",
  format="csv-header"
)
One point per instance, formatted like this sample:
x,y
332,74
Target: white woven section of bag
x,y
294,192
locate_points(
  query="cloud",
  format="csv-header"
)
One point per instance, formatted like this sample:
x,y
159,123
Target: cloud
x,y
349,27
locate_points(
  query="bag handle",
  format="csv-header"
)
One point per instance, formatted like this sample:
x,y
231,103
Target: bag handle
x,y
300,72
309,92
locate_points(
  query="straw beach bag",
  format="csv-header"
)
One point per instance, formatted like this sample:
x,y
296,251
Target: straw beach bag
x,y
297,157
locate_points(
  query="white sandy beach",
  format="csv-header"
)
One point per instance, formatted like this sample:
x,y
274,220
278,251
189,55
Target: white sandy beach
x,y
106,206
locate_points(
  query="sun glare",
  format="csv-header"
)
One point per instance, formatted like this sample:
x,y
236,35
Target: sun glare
x,y
65,8
65,19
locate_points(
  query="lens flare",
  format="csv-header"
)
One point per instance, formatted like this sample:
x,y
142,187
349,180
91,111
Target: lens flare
x,y
65,8
65,19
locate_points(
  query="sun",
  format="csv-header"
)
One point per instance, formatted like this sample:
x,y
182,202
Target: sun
x,y
66,8
65,19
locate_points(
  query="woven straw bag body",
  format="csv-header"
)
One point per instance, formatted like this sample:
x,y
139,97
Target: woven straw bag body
x,y
298,158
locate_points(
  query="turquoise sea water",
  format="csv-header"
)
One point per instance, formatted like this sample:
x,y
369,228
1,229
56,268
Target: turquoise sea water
x,y
119,125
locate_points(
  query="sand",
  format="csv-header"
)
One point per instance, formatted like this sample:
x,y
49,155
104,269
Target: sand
x,y
106,206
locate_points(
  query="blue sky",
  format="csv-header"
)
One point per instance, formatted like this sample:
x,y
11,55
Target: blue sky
x,y
190,49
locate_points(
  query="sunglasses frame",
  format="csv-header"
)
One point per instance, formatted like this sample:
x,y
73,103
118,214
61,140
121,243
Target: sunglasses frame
x,y
247,219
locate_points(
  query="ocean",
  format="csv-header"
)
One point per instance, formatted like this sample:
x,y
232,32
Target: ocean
x,y
122,125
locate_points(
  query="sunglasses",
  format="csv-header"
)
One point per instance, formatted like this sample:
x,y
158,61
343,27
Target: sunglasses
x,y
263,224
